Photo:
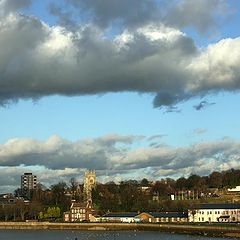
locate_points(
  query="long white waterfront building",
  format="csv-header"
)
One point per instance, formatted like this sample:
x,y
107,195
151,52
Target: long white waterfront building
x,y
215,212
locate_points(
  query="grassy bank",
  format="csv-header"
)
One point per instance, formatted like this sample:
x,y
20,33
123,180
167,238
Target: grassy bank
x,y
211,230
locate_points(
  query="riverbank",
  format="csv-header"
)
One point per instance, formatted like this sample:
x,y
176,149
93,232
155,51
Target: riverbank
x,y
209,230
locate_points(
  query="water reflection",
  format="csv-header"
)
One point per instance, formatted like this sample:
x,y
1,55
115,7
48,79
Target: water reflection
x,y
94,235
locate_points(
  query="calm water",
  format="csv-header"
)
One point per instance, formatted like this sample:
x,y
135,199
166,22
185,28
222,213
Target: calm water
x,y
94,235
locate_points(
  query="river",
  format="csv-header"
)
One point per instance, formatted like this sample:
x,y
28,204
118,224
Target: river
x,y
94,235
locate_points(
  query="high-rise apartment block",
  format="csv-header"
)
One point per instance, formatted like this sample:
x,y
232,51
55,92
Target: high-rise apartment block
x,y
28,182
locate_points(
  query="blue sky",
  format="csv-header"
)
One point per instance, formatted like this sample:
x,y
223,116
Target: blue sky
x,y
74,118
89,85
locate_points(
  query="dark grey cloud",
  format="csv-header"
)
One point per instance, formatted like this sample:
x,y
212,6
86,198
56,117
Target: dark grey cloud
x,y
200,14
108,153
156,137
8,6
57,153
169,98
37,60
65,17
41,61
202,105
172,109
199,158
128,13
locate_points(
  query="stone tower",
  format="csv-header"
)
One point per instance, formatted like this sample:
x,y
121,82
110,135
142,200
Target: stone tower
x,y
89,185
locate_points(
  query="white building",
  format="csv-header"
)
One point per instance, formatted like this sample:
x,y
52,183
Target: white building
x,y
215,212
119,217
234,190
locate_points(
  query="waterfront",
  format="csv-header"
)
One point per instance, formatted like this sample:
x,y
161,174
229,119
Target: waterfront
x,y
95,235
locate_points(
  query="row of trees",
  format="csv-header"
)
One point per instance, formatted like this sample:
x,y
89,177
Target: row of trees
x,y
19,210
128,195
228,179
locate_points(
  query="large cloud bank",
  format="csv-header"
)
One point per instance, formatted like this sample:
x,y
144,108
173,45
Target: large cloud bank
x,y
114,157
147,53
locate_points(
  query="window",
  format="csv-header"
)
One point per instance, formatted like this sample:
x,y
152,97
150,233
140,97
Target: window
x,y
203,219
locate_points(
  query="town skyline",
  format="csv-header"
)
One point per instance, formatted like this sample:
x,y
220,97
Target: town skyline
x,y
132,89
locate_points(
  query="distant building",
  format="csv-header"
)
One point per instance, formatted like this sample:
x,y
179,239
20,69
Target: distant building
x,y
215,212
83,211
170,216
7,198
234,190
89,185
28,183
124,217
146,217
79,212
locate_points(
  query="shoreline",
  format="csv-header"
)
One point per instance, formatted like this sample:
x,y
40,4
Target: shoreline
x,y
219,231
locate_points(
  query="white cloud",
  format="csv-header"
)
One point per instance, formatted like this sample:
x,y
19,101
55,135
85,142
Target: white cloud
x,y
216,67
199,131
105,153
114,157
37,60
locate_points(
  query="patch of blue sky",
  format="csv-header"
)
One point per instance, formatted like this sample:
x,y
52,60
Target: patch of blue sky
x,y
75,118
38,9
226,26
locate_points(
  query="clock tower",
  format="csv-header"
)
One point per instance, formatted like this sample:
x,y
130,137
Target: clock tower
x,y
89,185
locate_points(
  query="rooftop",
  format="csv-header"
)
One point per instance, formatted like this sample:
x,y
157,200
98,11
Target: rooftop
x,y
218,206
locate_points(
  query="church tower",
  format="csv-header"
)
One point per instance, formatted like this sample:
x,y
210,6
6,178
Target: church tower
x,y
89,185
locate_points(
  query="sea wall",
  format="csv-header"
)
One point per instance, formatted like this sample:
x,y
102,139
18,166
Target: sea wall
x,y
179,228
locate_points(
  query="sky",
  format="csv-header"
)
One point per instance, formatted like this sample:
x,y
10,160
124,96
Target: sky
x,y
131,89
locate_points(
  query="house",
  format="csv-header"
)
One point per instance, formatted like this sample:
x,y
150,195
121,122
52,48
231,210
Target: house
x,y
79,212
215,212
7,198
170,216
